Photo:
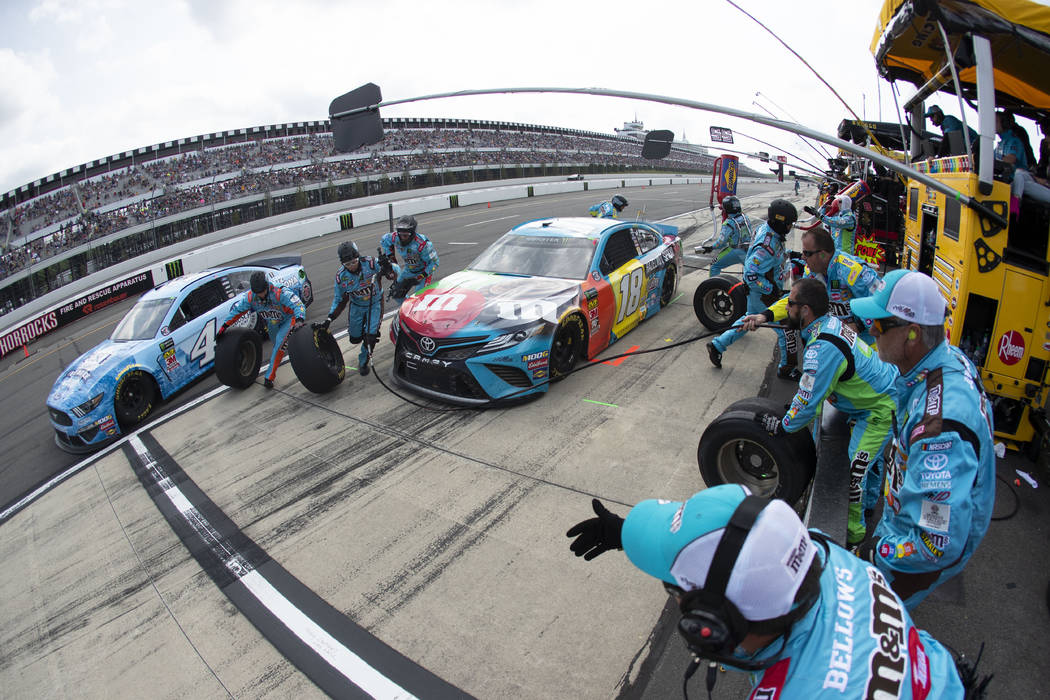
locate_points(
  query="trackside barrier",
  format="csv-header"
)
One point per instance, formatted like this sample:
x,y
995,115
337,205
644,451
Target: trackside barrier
x,y
245,245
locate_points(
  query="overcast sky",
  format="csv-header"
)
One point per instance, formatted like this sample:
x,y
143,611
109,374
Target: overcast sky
x,y
83,79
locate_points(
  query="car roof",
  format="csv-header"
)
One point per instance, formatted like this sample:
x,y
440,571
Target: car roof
x,y
567,227
173,287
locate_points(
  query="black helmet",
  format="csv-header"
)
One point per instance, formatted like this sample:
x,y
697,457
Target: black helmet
x,y
406,223
619,202
348,252
781,215
259,283
731,205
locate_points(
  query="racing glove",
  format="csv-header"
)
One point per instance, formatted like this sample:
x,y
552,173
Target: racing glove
x,y
324,324
866,550
810,210
770,422
705,249
596,535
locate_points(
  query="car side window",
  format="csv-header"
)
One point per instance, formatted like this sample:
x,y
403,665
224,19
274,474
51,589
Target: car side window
x,y
178,319
204,298
645,239
619,248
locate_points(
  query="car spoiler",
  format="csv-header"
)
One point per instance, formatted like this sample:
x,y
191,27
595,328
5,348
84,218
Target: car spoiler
x,y
665,229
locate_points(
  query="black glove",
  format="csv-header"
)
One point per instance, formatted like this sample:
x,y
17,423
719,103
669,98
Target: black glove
x,y
810,210
770,422
866,550
596,535
795,255
385,267
324,324
706,249
399,289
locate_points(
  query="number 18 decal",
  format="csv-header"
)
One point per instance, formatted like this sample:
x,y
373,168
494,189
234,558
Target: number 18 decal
x,y
630,293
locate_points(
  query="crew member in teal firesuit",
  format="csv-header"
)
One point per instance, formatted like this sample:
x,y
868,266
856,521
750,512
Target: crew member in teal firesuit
x,y
840,220
733,238
609,208
417,255
940,466
764,276
280,308
357,285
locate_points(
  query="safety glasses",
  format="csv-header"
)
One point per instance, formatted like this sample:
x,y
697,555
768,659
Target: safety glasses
x,y
884,325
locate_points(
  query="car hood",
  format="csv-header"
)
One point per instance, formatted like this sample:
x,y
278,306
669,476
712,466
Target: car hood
x,y
472,303
79,380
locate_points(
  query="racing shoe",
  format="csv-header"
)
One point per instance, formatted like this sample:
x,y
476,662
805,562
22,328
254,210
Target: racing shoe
x,y
791,373
268,383
714,355
364,369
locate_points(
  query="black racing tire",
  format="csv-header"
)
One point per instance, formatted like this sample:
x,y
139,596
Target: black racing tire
x,y
316,359
669,286
238,355
134,398
719,301
736,449
568,346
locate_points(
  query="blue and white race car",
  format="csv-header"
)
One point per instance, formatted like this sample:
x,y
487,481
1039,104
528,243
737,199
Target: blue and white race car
x,y
546,295
163,343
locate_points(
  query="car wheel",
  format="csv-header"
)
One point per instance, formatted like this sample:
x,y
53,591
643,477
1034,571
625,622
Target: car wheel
x,y
736,449
568,346
719,301
670,285
238,355
134,398
316,359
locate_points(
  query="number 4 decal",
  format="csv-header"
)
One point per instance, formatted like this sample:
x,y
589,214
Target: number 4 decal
x,y
630,293
204,346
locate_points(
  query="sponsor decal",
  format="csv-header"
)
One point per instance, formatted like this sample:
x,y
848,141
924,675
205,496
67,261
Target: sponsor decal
x,y
939,496
807,381
592,305
933,400
425,360
935,462
885,550
427,344
596,276
772,682
795,556
811,354
539,374
886,668
904,550
536,356
902,310
937,446
527,310
840,658
919,430
593,314
536,364
653,265
592,295
935,516
676,519
920,666
1011,348
930,541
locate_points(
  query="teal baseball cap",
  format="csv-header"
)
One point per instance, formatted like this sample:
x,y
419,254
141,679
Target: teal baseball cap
x,y
676,542
906,294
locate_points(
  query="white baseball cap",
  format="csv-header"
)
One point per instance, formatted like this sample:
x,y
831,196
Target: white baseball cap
x,y
906,294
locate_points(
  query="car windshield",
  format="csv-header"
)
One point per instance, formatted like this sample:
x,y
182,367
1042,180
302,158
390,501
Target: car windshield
x,y
538,256
143,321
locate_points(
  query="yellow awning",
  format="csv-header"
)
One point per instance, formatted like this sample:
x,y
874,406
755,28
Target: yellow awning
x,y
908,46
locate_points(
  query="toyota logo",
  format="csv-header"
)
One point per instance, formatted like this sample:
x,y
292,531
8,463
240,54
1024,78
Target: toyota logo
x,y
427,344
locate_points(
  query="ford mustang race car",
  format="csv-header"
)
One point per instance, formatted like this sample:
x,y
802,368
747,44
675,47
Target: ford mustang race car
x,y
163,343
546,295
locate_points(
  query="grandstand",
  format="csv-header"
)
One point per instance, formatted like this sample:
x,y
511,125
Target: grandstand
x,y
97,214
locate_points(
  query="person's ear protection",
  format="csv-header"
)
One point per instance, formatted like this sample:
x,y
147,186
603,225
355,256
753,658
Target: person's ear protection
x,y
711,623
911,335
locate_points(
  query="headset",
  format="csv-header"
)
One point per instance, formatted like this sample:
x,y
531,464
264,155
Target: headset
x,y
711,624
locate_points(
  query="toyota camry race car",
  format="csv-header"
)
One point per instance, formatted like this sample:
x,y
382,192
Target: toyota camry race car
x,y
546,295
163,343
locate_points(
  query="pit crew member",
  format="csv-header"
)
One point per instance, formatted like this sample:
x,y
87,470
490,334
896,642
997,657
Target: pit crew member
x,y
416,253
280,308
610,208
733,238
357,286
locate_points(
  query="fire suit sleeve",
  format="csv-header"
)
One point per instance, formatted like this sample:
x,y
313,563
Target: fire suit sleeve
x,y
862,279
339,297
760,260
430,257
822,365
936,508
239,308
386,244
725,237
778,310
845,221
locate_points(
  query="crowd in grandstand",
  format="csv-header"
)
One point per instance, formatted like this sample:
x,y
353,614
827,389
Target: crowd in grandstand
x,y
94,207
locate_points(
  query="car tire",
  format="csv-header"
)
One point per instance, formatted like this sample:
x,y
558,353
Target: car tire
x,y
568,346
238,355
669,286
316,359
134,398
719,301
736,449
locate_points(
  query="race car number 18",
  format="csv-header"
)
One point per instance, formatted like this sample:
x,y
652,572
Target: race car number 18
x,y
630,293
